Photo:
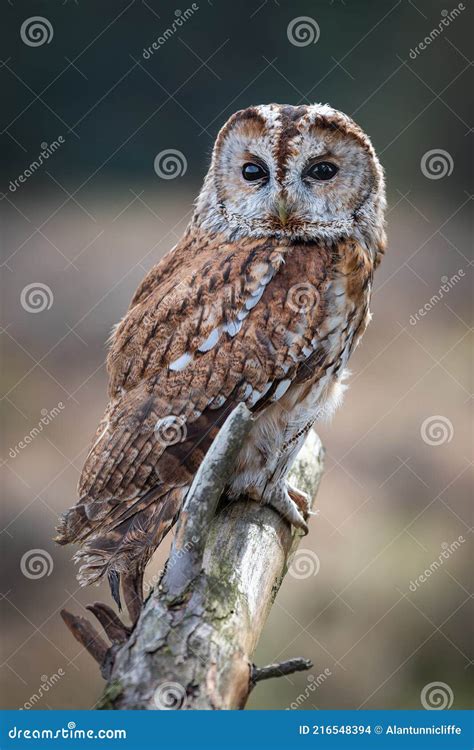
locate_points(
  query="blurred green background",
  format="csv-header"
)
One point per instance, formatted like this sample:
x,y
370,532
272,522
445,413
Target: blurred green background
x,y
90,222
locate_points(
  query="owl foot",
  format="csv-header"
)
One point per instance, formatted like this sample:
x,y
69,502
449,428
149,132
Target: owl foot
x,y
302,500
281,500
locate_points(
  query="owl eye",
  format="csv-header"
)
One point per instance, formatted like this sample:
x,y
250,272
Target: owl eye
x,y
252,171
322,170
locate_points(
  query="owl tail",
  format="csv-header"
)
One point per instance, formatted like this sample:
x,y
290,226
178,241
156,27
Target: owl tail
x,y
120,548
74,525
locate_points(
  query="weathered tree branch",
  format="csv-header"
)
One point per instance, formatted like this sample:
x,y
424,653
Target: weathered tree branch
x,y
192,645
278,670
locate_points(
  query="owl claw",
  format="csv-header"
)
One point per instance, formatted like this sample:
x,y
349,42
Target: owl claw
x,y
114,584
282,502
301,499
132,589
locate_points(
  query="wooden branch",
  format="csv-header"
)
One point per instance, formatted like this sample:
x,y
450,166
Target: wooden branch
x,y
192,645
86,634
187,552
278,670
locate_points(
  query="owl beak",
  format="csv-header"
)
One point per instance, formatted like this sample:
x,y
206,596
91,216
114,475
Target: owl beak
x,y
283,210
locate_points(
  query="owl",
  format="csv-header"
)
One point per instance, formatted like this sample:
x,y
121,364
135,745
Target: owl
x,y
262,301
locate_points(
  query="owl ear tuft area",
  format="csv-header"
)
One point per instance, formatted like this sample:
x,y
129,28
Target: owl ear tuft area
x,y
249,121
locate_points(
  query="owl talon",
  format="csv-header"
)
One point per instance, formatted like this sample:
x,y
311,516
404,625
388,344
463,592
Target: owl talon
x,y
301,499
281,501
114,584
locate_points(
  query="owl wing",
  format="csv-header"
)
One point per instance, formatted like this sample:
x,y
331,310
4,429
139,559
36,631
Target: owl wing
x,y
188,350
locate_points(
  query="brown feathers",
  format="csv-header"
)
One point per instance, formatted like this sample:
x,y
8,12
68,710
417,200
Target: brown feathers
x,y
242,309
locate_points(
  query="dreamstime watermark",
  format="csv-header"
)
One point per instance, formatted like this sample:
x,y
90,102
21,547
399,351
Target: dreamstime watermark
x,y
447,17
437,430
47,150
70,732
436,164
171,430
36,297
149,585
447,551
181,17
304,564
447,283
314,682
302,297
437,696
47,683
36,31
170,163
302,31
47,416
36,563
169,696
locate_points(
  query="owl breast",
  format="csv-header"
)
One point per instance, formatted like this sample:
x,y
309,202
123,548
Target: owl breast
x,y
315,393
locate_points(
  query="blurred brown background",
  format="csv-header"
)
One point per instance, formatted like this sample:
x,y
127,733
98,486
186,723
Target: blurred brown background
x,y
89,223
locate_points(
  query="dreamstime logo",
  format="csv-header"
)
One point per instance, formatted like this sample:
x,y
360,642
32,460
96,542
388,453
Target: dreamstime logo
x,y
445,554
169,696
171,430
302,297
147,587
436,164
47,682
36,297
181,17
47,150
302,31
36,563
304,564
47,416
437,430
170,163
36,31
447,284
447,16
437,696
314,682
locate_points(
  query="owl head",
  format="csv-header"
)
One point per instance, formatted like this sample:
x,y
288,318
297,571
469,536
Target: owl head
x,y
305,173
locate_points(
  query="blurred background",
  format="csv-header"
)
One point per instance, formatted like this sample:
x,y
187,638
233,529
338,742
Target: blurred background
x,y
379,597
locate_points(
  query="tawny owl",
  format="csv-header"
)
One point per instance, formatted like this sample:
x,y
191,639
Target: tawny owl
x,y
262,301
